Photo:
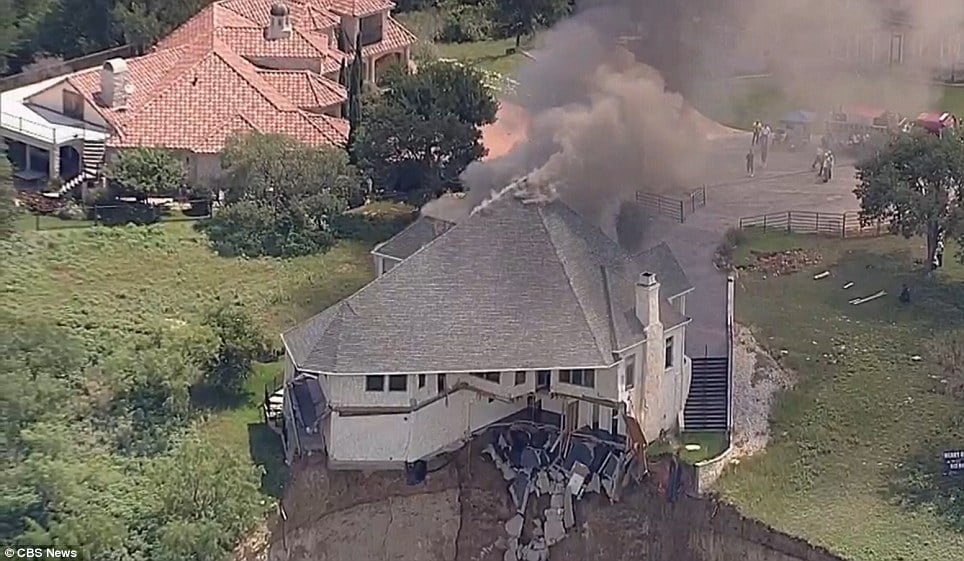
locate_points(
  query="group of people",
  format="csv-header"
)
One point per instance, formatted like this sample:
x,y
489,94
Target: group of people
x,y
762,135
824,160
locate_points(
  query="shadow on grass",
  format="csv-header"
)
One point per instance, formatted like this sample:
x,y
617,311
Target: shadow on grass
x,y
267,451
211,398
918,482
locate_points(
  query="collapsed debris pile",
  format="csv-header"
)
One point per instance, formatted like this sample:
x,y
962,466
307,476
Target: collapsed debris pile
x,y
778,263
542,461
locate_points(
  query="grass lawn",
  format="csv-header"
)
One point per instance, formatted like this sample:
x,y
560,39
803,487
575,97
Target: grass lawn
x,y
102,283
486,55
854,463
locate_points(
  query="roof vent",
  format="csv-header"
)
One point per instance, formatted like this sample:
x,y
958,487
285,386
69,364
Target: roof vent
x,y
114,85
279,25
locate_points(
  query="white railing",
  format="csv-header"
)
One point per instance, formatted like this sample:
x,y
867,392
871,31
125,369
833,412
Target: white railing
x,y
34,129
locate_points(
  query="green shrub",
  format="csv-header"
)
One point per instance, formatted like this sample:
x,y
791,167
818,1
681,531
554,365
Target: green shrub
x,y
464,24
250,229
370,229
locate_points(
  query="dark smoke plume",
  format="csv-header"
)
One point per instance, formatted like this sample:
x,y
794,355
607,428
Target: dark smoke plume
x,y
601,124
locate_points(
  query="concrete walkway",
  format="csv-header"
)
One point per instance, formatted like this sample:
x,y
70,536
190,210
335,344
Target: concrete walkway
x,y
786,184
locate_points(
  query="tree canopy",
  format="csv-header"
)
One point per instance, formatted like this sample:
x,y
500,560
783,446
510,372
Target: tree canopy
x,y
421,133
281,196
148,172
101,450
35,29
914,184
523,17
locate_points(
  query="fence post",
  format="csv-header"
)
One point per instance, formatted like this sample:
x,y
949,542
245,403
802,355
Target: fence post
x,y
816,222
764,223
682,215
789,221
843,225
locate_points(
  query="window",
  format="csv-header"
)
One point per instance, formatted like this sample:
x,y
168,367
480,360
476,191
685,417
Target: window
x,y
440,383
494,377
669,353
397,383
370,30
520,377
374,383
73,105
595,416
421,380
543,377
579,377
630,372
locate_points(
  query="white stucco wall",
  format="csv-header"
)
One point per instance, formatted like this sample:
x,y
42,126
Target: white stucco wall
x,y
606,385
349,390
53,99
392,439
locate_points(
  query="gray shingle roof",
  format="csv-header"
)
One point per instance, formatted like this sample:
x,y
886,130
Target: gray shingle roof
x,y
660,260
513,287
414,237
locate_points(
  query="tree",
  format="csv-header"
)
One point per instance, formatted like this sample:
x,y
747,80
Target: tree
x,y
8,196
914,184
240,342
523,17
355,83
142,22
281,196
423,131
148,172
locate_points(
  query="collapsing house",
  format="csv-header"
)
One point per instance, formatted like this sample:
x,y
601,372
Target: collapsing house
x,y
518,312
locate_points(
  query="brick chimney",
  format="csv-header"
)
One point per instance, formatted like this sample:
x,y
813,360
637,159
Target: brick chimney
x,y
279,26
114,85
647,299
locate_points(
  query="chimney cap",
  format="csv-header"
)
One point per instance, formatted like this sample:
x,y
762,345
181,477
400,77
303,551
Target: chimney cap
x,y
279,9
646,279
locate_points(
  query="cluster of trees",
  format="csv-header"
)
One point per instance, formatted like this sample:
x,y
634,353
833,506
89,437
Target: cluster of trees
x,y
915,184
281,197
34,30
412,139
102,450
458,21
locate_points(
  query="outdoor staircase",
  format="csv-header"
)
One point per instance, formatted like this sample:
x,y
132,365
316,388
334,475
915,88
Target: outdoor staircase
x,y
708,401
73,182
93,157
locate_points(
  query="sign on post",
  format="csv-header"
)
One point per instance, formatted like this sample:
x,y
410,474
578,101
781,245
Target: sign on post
x,y
953,462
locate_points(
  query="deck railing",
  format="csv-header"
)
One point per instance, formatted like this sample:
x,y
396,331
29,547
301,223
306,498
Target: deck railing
x,y
34,129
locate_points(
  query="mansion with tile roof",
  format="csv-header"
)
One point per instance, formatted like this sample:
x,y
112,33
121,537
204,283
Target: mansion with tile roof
x,y
237,66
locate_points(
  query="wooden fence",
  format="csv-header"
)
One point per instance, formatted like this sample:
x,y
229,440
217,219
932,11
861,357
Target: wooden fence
x,y
836,224
677,209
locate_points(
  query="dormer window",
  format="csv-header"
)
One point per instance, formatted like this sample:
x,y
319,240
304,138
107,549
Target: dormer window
x,y
371,29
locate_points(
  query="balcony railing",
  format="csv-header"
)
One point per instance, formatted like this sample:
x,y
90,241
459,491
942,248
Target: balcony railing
x,y
34,129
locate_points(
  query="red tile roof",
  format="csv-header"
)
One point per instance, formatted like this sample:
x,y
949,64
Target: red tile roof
x,y
197,102
394,37
305,89
358,7
201,82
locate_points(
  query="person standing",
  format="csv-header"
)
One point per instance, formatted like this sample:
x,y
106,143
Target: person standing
x,y
749,163
764,150
757,128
